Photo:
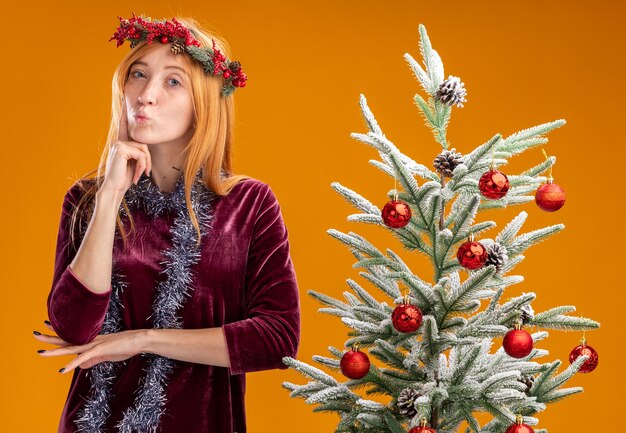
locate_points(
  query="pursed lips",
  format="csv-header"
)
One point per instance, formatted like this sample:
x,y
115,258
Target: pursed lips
x,y
140,117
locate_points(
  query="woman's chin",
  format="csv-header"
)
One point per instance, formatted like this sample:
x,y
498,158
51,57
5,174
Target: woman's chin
x,y
141,138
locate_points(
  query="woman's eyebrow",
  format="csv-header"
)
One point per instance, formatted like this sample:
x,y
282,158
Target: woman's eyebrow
x,y
139,62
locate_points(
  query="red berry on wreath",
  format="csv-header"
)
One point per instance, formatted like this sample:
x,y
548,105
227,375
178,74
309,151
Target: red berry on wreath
x,y
590,364
519,426
406,317
472,255
396,214
422,428
493,184
354,364
517,342
164,39
226,74
550,196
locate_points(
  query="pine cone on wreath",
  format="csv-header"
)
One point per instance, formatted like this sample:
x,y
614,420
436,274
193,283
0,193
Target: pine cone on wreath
x,y
451,91
496,255
178,47
406,401
447,161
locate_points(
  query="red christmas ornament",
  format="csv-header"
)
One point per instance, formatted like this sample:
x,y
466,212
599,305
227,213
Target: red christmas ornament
x,y
406,317
550,196
590,364
354,364
493,184
517,342
422,428
519,427
472,255
396,214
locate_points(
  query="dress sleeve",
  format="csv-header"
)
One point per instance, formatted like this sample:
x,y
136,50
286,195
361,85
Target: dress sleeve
x,y
76,313
272,327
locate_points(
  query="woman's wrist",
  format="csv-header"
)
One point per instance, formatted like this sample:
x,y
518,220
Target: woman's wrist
x,y
146,340
202,346
109,197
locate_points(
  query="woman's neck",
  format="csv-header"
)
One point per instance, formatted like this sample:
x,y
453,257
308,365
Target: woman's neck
x,y
165,179
167,167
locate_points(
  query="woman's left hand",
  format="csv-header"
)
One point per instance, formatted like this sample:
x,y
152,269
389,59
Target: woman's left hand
x,y
117,346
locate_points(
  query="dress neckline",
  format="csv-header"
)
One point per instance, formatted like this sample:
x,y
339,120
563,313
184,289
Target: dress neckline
x,y
147,195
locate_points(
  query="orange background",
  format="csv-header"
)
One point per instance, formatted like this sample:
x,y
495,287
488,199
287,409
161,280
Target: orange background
x,y
523,63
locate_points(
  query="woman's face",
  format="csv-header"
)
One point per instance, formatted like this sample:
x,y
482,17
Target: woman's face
x,y
158,99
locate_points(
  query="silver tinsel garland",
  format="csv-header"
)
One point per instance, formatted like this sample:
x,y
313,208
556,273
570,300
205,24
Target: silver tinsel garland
x,y
144,415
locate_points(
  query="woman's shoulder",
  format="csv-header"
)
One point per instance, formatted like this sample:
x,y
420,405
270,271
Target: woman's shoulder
x,y
251,190
249,186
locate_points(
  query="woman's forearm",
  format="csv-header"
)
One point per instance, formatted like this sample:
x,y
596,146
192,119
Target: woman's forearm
x,y
202,346
92,264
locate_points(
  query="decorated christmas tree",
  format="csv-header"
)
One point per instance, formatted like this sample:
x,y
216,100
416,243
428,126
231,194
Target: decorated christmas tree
x,y
428,346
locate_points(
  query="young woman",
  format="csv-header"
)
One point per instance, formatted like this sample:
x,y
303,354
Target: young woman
x,y
172,276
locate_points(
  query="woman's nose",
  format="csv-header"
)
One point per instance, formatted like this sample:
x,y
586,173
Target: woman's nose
x,y
146,99
148,95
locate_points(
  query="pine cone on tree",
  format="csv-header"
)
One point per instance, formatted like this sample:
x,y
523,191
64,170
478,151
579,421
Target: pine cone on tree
x,y
406,402
178,47
451,91
527,314
447,161
528,381
496,255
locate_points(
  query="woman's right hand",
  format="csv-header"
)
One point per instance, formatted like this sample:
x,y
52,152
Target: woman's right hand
x,y
126,161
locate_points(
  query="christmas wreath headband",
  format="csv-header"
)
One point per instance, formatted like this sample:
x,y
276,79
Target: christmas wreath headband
x,y
137,29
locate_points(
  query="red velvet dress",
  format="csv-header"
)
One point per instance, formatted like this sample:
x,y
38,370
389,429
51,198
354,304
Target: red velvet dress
x,y
244,282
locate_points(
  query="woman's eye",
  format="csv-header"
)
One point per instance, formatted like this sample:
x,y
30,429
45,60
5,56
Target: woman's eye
x,y
136,72
177,83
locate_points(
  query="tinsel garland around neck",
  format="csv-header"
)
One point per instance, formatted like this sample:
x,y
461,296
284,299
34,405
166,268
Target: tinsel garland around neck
x,y
143,416
146,194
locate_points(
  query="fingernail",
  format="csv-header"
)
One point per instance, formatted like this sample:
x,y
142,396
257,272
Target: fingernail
x,y
41,351
47,322
62,370
36,332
